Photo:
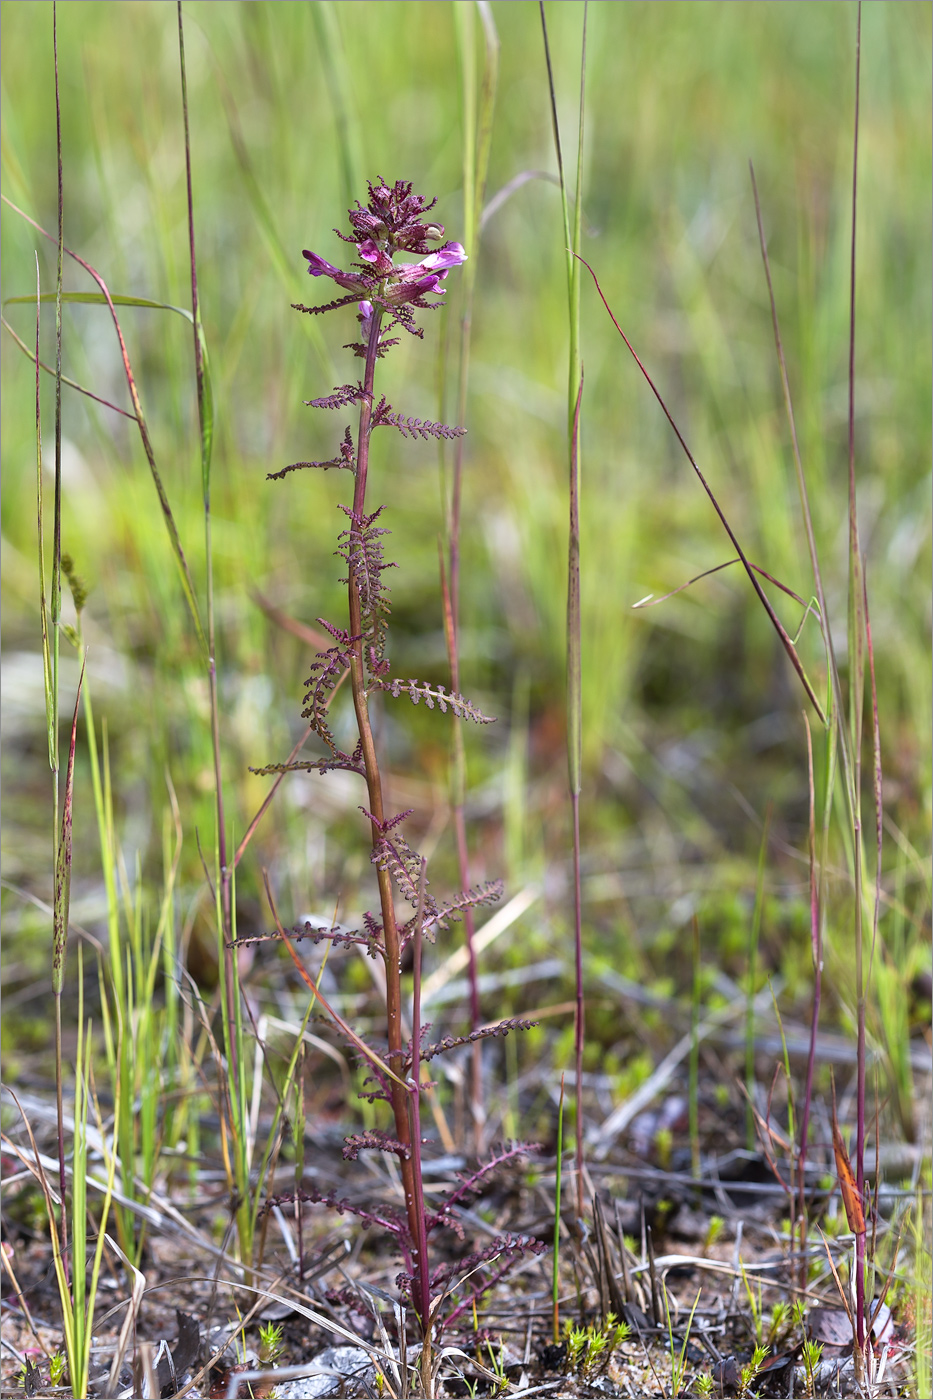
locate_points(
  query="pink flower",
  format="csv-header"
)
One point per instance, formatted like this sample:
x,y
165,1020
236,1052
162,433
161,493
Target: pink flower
x,y
320,267
451,255
371,253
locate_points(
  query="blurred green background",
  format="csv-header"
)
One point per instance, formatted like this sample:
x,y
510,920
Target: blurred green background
x,y
692,715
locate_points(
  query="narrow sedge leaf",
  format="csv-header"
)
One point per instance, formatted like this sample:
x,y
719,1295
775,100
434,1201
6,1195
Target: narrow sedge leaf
x,y
63,861
98,298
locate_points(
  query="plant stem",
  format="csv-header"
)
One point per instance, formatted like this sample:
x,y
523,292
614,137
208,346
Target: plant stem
x,y
572,234
575,764
754,934
694,1107
555,1265
60,934
399,1095
856,641
423,1282
477,138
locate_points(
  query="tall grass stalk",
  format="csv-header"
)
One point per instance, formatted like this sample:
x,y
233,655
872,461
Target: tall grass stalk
x,y
693,1096
555,1252
857,636
235,1095
835,742
816,953
751,960
478,112
61,856
61,906
574,670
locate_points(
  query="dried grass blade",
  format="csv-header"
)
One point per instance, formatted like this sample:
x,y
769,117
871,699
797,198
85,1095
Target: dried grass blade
x,y
851,1196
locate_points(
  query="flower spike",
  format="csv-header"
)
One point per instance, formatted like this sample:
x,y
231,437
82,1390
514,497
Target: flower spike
x,y
391,223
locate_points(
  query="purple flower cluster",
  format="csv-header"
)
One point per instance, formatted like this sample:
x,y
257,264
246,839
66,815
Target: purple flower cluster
x,y
392,222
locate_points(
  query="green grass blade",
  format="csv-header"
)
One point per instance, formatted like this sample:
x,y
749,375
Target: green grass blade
x,y
169,519
49,691
340,87
63,861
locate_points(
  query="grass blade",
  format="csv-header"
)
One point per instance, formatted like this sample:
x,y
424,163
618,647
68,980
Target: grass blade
x,y
574,659
776,623
171,527
477,121
48,687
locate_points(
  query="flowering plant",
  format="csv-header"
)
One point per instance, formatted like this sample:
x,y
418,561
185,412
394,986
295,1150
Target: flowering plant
x,y
388,294
393,222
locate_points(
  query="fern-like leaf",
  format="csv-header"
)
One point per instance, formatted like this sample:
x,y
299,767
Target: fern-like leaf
x,y
372,1140
383,416
331,305
434,695
326,670
361,547
512,1247
361,351
488,893
317,932
390,823
352,764
451,1042
393,853
343,397
344,460
388,1218
472,1185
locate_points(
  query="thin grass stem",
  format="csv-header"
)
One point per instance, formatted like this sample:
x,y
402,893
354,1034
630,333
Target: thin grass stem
x,y
555,1256
477,140
856,658
751,959
776,623
694,1071
572,243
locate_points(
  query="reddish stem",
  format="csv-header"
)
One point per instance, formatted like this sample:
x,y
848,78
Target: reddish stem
x,y
399,1096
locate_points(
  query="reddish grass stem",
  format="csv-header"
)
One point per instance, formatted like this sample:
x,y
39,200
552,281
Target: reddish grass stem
x,y
857,619
575,763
